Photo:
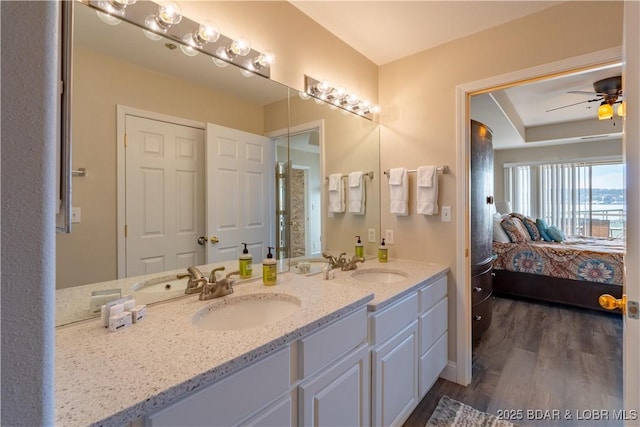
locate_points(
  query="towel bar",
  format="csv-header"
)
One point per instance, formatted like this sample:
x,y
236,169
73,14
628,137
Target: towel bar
x,y
444,169
369,174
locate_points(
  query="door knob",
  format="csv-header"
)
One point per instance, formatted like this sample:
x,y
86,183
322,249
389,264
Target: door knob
x,y
609,302
202,240
214,240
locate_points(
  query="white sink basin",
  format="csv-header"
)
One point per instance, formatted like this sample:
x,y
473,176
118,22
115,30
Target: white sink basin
x,y
379,275
245,312
169,283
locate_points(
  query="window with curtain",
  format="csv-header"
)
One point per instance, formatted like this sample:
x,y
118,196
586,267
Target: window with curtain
x,y
581,198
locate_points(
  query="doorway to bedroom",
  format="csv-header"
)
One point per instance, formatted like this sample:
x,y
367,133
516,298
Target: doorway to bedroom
x,y
554,160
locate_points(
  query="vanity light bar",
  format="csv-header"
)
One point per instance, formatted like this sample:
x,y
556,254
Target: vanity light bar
x,y
339,97
137,13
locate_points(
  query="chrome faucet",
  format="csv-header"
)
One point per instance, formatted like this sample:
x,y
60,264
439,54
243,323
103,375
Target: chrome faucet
x,y
217,288
335,262
351,265
196,280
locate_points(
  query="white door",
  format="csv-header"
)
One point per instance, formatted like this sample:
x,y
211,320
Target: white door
x,y
240,179
164,196
631,84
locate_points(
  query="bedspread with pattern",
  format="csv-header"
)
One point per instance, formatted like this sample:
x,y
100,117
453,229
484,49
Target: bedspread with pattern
x,y
578,258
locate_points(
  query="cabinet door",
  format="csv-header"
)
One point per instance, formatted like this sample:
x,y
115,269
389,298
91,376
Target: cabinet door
x,y
395,378
339,395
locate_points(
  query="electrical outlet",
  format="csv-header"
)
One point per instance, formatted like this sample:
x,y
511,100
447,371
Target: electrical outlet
x,y
75,215
388,237
372,235
446,214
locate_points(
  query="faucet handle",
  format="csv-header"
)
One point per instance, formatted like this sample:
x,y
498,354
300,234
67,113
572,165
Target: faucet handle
x,y
212,276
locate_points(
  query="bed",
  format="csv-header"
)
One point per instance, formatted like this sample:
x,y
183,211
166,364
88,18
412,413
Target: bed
x,y
574,272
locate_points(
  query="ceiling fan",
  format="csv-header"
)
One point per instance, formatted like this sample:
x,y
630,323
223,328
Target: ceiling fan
x,y
608,92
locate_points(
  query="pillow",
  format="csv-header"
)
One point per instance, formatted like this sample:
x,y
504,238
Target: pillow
x,y
515,229
530,225
499,235
556,234
542,228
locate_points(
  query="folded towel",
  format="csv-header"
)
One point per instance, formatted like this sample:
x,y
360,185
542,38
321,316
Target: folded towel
x,y
427,195
396,176
335,179
425,176
356,193
399,191
336,193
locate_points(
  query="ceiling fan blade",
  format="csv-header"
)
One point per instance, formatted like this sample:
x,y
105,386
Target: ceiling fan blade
x,y
577,103
582,92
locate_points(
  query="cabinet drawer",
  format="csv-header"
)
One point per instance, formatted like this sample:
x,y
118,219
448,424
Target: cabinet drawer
x,y
481,286
231,399
433,293
431,364
481,317
392,319
432,325
326,345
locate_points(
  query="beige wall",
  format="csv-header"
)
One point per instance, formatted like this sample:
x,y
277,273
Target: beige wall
x,y
417,97
554,153
88,254
300,44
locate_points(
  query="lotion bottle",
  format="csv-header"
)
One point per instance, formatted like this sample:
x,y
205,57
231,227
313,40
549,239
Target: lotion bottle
x,y
246,263
383,255
269,270
359,248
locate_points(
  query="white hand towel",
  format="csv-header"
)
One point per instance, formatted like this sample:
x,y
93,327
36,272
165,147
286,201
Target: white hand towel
x,y
399,191
427,190
356,193
336,193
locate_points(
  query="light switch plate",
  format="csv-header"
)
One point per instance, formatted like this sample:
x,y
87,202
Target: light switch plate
x,y
446,214
388,237
372,235
75,215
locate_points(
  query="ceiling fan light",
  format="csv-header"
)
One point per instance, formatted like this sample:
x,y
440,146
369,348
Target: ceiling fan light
x,y
621,110
605,111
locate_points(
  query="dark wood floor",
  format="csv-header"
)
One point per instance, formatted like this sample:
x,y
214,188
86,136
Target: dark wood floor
x,y
538,356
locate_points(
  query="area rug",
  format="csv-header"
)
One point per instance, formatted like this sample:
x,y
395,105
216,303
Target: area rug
x,y
452,413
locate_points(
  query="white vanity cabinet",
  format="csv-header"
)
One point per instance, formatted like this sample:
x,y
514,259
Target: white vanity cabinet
x,y
262,387
432,328
408,351
335,375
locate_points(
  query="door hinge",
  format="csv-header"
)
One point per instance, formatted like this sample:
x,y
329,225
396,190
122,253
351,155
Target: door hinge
x,y
126,140
126,231
466,253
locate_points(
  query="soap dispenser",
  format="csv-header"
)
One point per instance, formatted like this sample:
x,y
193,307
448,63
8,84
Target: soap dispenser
x,y
269,269
383,255
246,263
359,248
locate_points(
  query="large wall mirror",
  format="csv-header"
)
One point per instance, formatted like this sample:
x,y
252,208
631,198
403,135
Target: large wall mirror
x,y
124,82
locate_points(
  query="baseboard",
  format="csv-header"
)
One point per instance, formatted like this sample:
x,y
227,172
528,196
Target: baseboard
x,y
450,372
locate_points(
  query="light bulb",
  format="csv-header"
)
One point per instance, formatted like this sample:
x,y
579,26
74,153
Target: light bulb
x,y
189,46
240,46
169,13
605,111
247,73
207,33
219,62
375,109
352,99
304,95
108,19
265,59
151,35
122,4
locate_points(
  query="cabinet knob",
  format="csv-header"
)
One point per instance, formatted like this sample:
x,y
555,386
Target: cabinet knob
x,y
477,317
493,274
477,289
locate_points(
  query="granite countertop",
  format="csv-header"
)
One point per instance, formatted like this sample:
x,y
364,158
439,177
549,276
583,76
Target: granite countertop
x,y
112,378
